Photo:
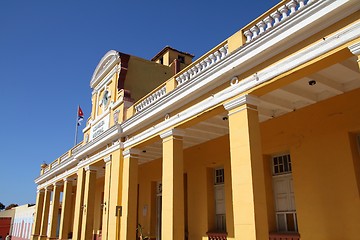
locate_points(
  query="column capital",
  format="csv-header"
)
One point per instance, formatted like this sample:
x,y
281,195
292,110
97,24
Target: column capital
x,y
242,100
132,152
107,159
90,168
172,132
56,184
42,190
68,179
355,49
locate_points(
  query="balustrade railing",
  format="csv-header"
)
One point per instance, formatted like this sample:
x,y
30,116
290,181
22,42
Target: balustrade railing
x,y
153,97
202,64
185,75
62,158
274,18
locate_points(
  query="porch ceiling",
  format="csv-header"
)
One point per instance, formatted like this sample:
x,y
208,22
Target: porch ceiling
x,y
329,82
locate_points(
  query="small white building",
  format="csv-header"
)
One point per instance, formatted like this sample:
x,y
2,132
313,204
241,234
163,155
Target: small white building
x,y
22,222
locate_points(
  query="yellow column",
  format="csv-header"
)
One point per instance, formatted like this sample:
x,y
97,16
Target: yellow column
x,y
54,211
172,222
129,195
89,200
66,209
247,171
355,49
104,230
38,214
78,204
115,197
45,213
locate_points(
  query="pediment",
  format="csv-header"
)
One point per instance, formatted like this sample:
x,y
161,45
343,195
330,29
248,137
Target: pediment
x,y
107,62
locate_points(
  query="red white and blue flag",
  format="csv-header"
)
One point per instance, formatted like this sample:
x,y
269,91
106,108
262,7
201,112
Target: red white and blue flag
x,y
80,116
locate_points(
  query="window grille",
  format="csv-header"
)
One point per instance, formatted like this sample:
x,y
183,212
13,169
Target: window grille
x,y
219,176
282,164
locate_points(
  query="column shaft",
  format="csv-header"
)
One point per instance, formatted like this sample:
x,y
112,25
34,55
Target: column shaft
x,y
115,197
172,188
247,174
54,211
78,204
65,210
104,230
45,214
89,202
129,197
38,215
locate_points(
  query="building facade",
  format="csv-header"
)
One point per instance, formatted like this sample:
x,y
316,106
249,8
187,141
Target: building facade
x,y
6,222
257,139
17,222
23,222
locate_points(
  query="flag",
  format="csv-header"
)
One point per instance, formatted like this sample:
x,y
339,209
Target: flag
x,y
80,116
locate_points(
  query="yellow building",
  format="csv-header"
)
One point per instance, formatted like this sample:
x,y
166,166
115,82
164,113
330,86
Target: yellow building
x,y
257,139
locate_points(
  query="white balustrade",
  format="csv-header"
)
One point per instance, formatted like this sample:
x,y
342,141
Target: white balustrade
x,y
284,11
261,25
269,21
281,14
301,3
64,156
212,58
276,16
150,99
75,149
199,67
292,6
47,168
54,164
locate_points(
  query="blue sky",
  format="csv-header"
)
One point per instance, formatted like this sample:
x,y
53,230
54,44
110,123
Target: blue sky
x,y
49,50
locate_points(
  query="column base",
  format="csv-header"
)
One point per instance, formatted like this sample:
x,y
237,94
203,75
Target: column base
x,y
34,237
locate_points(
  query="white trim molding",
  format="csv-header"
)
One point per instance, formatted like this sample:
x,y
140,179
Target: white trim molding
x,y
315,18
107,159
107,62
132,152
240,101
355,49
173,132
234,60
90,168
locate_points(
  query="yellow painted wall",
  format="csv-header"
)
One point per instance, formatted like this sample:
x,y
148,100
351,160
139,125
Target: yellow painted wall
x,y
321,142
199,164
144,76
325,182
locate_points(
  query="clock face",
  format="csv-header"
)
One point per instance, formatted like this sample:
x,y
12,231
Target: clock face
x,y
105,99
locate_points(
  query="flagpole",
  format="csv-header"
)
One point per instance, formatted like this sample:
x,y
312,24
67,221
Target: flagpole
x,y
76,125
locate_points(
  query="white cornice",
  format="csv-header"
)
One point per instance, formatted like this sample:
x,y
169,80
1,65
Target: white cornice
x,y
314,51
243,59
285,35
109,135
62,173
63,166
